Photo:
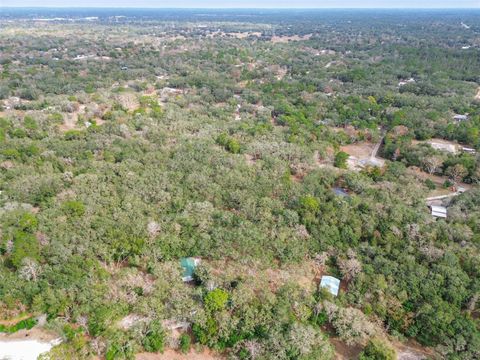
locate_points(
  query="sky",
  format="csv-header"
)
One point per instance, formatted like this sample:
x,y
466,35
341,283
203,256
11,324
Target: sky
x,y
246,3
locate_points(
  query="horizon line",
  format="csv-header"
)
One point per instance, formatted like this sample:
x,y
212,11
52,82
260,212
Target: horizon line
x,y
242,8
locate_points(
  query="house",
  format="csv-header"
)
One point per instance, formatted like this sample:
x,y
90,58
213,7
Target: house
x,y
439,211
459,117
330,283
188,265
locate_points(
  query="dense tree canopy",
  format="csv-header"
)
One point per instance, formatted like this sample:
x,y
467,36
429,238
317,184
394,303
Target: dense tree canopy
x,y
128,144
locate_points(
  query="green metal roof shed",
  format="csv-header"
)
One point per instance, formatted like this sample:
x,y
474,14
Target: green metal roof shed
x,y
188,264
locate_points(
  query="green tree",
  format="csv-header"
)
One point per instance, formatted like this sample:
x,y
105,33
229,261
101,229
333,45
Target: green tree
x,y
341,158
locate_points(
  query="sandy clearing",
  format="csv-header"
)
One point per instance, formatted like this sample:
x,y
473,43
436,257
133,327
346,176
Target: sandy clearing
x,y
441,145
71,119
411,350
37,333
343,351
250,159
128,101
24,349
477,97
285,39
361,150
362,155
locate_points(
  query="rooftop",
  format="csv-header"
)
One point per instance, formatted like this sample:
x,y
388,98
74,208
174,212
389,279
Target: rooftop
x,y
330,283
439,211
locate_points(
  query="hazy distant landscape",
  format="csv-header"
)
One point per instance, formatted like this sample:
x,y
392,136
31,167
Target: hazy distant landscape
x,y
240,183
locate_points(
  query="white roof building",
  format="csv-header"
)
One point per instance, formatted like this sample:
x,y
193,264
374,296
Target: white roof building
x,y
439,211
331,284
468,150
460,117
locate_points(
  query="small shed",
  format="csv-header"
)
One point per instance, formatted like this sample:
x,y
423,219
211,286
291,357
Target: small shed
x,y
188,265
340,192
439,211
330,283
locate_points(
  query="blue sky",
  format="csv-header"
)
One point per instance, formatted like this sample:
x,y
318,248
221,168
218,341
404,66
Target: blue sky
x,y
247,3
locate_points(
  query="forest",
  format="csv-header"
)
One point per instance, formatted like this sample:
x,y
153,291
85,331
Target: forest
x,y
273,147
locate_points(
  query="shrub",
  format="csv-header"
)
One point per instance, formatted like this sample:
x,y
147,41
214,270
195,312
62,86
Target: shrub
x,y
27,222
74,208
309,204
430,184
229,143
25,245
185,343
155,338
319,319
73,135
341,160
447,184
377,350
216,300
11,154
21,325
351,325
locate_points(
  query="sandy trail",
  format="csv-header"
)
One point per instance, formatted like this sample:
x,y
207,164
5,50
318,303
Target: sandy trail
x,y
173,355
